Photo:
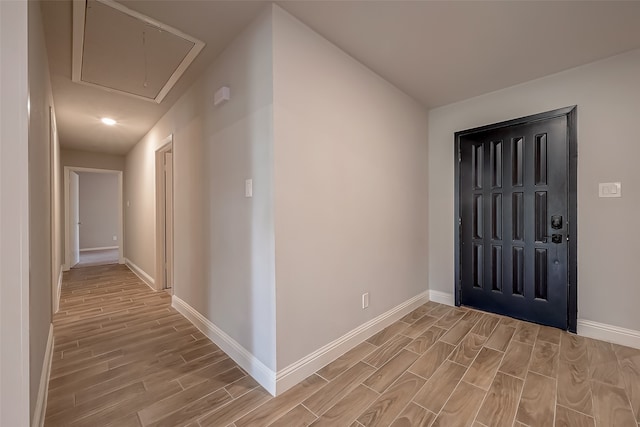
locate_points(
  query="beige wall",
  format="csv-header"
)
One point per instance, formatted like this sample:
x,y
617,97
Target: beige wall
x,y
41,250
14,217
223,241
607,94
99,210
350,191
347,183
88,159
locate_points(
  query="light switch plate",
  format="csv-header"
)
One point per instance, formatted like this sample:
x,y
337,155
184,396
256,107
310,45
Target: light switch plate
x,y
610,189
248,188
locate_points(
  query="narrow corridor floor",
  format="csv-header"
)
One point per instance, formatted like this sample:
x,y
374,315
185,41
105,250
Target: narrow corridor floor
x,y
123,357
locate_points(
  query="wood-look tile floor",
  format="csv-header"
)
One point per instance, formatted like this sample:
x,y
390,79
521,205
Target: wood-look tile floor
x,y
123,357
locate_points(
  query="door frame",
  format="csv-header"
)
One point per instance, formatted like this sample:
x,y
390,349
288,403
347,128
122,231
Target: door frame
x,y
572,185
165,146
74,219
67,217
56,257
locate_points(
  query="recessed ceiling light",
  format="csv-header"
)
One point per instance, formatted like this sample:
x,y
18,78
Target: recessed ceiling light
x,y
108,121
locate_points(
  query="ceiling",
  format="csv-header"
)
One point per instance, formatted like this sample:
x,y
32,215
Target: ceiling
x,y
112,36
80,107
436,52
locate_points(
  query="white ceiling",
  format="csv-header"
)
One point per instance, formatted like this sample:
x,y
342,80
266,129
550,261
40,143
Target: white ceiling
x,y
437,52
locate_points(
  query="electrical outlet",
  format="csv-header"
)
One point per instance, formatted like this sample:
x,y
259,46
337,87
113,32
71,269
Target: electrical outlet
x,y
115,238
365,300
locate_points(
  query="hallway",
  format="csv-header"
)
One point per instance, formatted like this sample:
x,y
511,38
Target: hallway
x,y
120,349
123,357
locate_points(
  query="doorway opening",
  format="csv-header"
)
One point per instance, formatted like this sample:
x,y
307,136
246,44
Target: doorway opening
x,y
93,217
164,215
516,206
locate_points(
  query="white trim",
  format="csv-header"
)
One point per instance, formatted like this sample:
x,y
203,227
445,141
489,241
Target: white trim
x,y
604,332
41,402
298,371
140,273
66,256
586,328
442,297
288,377
247,361
121,219
99,249
56,302
166,145
79,21
77,37
53,200
67,253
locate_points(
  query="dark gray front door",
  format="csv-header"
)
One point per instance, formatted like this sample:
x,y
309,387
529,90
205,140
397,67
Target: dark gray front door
x,y
514,208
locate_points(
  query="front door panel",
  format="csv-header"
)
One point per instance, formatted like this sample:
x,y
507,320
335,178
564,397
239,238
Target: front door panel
x,y
513,201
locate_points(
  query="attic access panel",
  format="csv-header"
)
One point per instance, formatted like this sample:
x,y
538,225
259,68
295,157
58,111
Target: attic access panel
x,y
120,50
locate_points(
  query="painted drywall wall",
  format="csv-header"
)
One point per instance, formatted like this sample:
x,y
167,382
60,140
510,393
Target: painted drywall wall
x,y
350,180
607,94
99,210
42,252
223,241
88,159
14,215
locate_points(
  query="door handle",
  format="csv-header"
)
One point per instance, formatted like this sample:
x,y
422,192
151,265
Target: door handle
x,y
556,222
555,238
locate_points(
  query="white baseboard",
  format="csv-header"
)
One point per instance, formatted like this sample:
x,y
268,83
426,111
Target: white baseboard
x,y
140,273
247,361
298,371
587,328
288,377
43,390
442,297
58,291
610,333
104,248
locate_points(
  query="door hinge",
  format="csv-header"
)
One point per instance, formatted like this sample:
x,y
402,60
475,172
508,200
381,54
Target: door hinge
x,y
459,155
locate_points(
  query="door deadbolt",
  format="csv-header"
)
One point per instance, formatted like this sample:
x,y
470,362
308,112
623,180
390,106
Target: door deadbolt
x,y
556,222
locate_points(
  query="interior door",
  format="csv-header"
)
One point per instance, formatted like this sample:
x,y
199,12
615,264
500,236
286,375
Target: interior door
x,y
514,209
168,187
74,217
